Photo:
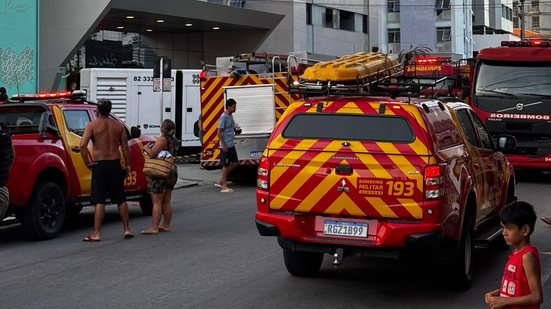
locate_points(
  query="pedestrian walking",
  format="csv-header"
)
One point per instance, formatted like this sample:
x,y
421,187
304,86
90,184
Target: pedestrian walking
x,y
226,135
108,174
521,281
3,95
160,188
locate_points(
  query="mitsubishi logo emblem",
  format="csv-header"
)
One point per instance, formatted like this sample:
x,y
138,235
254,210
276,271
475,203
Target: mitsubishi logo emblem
x,y
343,187
519,106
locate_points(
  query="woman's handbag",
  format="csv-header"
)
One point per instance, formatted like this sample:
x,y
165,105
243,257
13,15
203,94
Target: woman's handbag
x,y
158,168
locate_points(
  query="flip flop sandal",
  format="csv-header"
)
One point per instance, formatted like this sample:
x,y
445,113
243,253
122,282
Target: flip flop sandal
x,y
90,239
128,235
546,220
229,190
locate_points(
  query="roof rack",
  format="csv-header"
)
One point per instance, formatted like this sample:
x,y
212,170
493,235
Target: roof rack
x,y
364,74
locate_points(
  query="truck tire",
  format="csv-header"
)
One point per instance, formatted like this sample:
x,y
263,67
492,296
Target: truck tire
x,y
4,201
462,267
6,158
44,216
302,264
146,204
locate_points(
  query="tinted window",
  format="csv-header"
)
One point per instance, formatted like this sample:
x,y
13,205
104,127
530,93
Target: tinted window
x,y
76,120
349,127
485,138
467,126
21,120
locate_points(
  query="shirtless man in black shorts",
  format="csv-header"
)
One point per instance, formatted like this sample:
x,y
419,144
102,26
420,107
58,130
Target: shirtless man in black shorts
x,y
108,175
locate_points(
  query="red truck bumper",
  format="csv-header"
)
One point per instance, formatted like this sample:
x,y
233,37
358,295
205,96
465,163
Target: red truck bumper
x,y
382,234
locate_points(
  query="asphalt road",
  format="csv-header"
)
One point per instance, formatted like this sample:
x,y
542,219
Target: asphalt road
x,y
214,258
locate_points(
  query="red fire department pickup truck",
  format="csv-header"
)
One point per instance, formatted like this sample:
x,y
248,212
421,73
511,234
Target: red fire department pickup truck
x,y
48,179
373,169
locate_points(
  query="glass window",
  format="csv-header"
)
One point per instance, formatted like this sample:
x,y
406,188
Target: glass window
x,y
442,4
349,127
485,138
535,21
393,5
443,34
329,19
467,127
21,120
394,35
365,24
76,120
308,13
346,20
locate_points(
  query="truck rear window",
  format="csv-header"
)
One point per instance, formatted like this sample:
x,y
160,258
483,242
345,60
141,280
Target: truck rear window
x,y
349,127
21,120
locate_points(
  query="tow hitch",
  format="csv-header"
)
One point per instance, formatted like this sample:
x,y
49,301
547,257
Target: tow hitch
x,y
338,258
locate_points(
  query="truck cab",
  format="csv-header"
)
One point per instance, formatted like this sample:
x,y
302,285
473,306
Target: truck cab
x,y
48,179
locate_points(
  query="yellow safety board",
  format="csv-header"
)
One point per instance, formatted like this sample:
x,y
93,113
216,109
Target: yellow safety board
x,y
350,68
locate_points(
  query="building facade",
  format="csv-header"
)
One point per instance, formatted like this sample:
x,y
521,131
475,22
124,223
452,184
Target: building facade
x,y
443,26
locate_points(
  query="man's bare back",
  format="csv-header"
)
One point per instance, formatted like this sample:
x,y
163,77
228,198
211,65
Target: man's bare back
x,y
106,135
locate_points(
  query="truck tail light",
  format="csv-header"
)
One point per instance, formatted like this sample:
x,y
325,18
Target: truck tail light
x,y
263,177
434,182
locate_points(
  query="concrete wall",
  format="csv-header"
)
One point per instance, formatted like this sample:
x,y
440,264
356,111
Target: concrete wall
x,y
491,40
293,34
417,26
64,26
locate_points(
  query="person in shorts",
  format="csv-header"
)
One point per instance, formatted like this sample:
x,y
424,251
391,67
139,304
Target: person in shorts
x,y
226,135
521,281
161,188
108,174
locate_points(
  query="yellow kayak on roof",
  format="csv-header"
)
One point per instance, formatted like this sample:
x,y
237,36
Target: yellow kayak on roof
x,y
350,68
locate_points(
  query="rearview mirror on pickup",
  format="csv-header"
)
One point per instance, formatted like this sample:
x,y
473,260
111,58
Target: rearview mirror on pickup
x,y
506,143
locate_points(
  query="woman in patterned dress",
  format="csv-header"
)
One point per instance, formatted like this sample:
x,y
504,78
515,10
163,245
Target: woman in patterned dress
x,y
160,188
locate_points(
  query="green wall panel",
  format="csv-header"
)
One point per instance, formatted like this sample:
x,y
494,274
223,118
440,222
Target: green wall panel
x,y
19,45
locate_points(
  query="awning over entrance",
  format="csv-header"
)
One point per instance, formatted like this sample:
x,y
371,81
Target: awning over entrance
x,y
66,24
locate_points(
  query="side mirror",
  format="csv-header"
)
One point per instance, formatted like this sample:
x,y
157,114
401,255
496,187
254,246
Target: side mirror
x,y
46,124
506,143
135,132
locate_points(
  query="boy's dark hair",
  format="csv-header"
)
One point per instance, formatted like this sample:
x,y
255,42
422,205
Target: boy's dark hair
x,y
519,213
104,107
230,103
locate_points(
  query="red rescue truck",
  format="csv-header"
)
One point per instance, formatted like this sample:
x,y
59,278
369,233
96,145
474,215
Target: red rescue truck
x,y
512,94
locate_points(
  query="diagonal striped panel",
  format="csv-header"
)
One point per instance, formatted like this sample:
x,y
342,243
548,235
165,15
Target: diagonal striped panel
x,y
212,105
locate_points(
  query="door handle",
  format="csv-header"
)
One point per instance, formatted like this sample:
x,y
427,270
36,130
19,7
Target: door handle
x,y
75,149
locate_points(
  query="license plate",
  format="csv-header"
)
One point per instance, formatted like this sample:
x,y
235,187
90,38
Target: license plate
x,y
345,228
256,154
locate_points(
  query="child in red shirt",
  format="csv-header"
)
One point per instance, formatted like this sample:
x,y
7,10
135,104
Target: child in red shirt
x,y
521,281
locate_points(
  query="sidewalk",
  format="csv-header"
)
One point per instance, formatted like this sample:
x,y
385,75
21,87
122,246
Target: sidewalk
x,y
190,174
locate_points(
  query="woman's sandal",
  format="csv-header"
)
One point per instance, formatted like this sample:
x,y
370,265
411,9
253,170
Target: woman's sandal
x,y
546,220
149,231
164,229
